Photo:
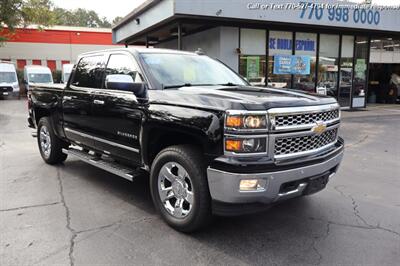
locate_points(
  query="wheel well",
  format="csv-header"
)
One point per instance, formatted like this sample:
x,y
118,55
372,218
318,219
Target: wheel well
x,y
162,141
39,113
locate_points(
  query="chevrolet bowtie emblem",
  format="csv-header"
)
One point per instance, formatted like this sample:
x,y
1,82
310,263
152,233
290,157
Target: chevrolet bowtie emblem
x,y
319,128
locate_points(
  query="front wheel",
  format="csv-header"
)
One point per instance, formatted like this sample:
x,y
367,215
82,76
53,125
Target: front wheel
x,y
50,146
179,188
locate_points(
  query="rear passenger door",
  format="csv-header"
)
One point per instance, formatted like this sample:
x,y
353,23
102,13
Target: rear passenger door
x,y
79,124
117,113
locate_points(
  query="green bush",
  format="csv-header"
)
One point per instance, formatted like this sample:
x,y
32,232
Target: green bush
x,y
56,76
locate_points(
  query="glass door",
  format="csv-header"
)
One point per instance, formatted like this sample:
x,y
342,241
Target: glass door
x,y
346,71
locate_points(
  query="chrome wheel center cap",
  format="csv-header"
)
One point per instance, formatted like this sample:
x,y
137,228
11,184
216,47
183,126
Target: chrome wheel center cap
x,y
179,189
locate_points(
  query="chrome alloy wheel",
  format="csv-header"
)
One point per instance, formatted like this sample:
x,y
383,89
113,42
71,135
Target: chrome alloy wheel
x,y
45,141
175,189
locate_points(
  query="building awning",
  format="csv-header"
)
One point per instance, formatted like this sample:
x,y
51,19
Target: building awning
x,y
161,20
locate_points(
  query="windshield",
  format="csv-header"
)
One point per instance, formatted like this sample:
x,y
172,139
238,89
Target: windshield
x,y
189,70
7,77
40,78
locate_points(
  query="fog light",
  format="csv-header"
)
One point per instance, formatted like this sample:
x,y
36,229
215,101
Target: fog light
x,y
252,184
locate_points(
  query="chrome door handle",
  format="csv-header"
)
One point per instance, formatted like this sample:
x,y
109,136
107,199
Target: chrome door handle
x,y
67,98
98,102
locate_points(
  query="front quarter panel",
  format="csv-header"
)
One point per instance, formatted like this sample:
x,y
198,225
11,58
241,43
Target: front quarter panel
x,y
202,126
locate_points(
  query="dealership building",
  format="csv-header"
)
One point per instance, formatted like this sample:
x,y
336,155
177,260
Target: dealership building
x,y
349,51
53,46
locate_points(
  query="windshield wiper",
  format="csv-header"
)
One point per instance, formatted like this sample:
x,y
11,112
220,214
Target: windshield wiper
x,y
184,85
230,84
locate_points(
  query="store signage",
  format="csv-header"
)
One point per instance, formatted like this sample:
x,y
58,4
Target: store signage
x,y
292,64
253,67
335,14
286,44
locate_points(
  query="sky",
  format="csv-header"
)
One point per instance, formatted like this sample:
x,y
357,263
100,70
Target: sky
x,y
114,8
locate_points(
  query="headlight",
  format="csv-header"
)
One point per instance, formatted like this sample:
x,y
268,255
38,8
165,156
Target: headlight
x,y
247,145
246,121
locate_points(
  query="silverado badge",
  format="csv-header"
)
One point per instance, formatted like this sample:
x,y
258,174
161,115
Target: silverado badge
x,y
319,128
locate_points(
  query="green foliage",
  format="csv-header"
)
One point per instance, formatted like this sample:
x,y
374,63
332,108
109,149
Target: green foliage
x,y
15,13
80,17
56,76
116,20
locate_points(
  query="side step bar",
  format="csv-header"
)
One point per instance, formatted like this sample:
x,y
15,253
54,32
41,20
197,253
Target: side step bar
x,y
107,165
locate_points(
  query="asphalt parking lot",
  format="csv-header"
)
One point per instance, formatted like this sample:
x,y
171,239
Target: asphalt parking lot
x,y
75,214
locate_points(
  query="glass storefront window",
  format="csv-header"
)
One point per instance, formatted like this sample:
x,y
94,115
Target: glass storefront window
x,y
280,43
306,45
328,64
346,71
252,58
360,71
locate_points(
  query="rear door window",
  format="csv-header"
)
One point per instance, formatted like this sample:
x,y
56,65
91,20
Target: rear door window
x,y
89,72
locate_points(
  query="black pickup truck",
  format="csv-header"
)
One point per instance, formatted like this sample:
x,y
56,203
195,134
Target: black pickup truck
x,y
209,141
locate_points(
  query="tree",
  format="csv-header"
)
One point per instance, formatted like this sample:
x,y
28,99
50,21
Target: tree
x,y
80,17
116,20
14,13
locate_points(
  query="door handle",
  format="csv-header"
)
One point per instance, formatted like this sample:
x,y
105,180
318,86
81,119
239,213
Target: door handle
x,y
98,102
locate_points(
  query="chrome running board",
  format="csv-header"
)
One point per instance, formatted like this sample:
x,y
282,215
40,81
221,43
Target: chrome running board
x,y
107,165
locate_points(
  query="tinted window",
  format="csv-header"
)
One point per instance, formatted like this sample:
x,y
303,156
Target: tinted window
x,y
89,72
123,65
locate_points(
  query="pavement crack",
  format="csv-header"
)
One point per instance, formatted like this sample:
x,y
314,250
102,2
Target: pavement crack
x,y
74,234
316,239
31,206
366,227
356,212
363,139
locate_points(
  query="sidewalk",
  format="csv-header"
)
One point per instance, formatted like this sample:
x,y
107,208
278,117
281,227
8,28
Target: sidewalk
x,y
373,110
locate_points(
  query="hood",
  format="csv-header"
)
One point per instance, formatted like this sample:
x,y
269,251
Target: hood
x,y
236,98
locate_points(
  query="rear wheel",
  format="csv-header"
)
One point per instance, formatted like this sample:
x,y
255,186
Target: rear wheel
x,y
50,146
179,188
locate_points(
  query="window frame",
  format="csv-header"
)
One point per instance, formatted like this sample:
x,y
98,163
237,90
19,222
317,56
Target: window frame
x,y
133,60
73,73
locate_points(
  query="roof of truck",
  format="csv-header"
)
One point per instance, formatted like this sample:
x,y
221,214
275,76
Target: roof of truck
x,y
5,66
37,68
141,50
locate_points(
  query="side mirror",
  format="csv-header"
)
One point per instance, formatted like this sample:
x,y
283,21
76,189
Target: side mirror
x,y
125,83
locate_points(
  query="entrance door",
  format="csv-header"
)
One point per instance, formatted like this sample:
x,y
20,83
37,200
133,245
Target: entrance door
x,y
346,71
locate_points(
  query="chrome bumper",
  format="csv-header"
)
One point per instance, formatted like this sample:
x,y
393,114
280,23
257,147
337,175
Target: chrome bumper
x,y
224,186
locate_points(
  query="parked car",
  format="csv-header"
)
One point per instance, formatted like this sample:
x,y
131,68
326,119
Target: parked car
x,y
37,74
8,80
210,144
66,72
260,82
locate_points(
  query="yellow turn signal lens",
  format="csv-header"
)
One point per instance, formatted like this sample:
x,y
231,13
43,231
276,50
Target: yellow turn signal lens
x,y
246,121
234,121
233,145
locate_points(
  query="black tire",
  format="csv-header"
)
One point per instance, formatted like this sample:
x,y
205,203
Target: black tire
x,y
54,154
192,161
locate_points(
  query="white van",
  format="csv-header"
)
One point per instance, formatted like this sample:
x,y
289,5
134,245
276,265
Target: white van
x,y
66,72
37,74
8,79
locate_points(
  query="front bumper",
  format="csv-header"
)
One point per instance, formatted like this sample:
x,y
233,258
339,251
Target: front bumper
x,y
280,184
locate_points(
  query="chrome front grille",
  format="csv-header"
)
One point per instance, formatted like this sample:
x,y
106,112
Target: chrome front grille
x,y
305,119
295,130
299,144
